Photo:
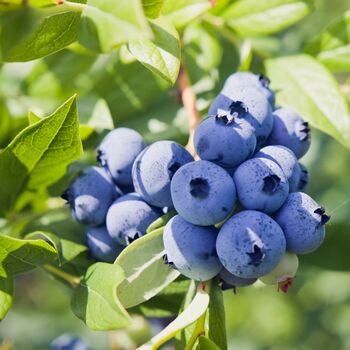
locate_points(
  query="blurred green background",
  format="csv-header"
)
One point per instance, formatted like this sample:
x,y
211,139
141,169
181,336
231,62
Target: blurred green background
x,y
315,314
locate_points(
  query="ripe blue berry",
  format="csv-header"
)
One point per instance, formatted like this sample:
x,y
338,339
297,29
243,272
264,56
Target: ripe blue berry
x,y
239,79
117,153
290,130
287,161
191,249
90,196
250,244
101,245
129,217
247,103
303,223
261,185
203,193
155,167
230,281
304,178
224,140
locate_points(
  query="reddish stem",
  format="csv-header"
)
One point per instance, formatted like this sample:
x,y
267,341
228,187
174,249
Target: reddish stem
x,y
188,98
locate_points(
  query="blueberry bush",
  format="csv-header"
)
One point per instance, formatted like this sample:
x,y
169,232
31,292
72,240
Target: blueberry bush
x,y
157,153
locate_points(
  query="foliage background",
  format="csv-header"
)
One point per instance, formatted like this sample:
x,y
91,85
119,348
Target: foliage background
x,y
316,312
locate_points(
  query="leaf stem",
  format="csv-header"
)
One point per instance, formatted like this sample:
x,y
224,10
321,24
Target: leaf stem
x,y
71,279
188,98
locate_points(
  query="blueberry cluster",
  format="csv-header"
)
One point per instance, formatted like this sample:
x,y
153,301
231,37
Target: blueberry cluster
x,y
249,153
103,198
241,214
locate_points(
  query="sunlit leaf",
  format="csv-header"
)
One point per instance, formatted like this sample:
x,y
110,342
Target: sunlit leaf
x,y
332,46
305,85
250,17
95,300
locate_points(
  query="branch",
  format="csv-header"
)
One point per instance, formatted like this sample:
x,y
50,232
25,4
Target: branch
x,y
72,280
188,98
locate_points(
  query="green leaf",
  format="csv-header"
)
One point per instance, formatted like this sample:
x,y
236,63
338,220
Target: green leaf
x,y
332,46
246,55
128,88
184,336
167,302
95,300
305,85
94,116
337,240
192,313
164,120
152,7
181,12
47,237
28,33
202,50
160,222
100,116
39,155
216,323
67,250
107,24
19,256
57,77
251,17
58,227
145,272
33,118
6,294
33,3
6,123
162,54
206,344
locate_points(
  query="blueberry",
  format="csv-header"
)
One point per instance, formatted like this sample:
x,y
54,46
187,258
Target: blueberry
x,y
203,193
247,103
261,185
287,161
68,342
290,130
230,281
129,217
117,153
283,274
303,223
155,167
191,249
127,189
101,245
250,244
224,140
90,196
259,81
304,178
